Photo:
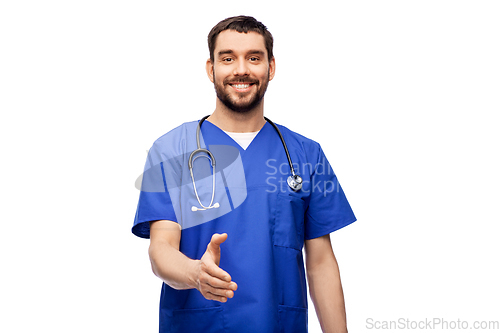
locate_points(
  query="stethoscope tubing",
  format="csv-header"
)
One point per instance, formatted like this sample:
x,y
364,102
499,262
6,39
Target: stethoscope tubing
x,y
292,170
294,181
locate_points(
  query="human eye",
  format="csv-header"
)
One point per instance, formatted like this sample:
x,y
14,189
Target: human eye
x,y
227,59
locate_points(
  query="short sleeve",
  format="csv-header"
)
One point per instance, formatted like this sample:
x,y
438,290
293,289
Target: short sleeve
x,y
154,199
328,208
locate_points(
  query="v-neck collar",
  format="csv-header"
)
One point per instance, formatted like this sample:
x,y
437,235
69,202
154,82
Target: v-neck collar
x,y
225,136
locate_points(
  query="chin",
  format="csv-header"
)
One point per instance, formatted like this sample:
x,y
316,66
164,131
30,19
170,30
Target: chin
x,y
243,107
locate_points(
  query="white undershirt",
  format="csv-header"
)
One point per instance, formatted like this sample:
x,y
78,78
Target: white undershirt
x,y
243,139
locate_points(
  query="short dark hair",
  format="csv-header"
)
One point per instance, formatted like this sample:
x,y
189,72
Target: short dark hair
x,y
241,24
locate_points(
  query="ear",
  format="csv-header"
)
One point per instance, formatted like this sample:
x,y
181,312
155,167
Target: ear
x,y
210,70
272,68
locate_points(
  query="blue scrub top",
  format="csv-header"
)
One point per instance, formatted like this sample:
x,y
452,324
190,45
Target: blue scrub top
x,y
266,231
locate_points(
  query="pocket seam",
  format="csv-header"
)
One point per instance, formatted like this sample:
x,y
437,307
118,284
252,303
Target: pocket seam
x,y
292,308
288,247
211,308
179,316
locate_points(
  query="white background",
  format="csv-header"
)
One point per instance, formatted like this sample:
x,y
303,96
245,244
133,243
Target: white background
x,y
402,95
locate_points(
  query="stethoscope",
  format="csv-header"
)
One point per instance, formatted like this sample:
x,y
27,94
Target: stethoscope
x,y
294,180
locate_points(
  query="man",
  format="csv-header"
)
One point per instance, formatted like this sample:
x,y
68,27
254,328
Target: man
x,y
241,268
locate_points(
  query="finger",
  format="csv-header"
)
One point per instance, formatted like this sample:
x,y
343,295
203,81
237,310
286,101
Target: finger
x,y
213,297
213,270
220,284
218,291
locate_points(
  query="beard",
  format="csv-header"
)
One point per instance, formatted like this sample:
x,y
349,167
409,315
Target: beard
x,y
241,102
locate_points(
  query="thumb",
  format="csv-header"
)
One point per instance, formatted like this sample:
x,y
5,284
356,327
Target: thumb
x,y
216,241
214,246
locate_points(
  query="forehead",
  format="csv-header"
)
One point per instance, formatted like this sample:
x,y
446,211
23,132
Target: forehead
x,y
239,42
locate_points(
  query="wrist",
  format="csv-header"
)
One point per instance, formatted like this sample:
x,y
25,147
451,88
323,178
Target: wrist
x,y
193,273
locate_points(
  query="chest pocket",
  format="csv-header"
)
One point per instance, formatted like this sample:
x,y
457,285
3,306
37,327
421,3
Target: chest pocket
x,y
289,222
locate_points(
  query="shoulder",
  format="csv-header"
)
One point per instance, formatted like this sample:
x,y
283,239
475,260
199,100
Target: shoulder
x,y
173,143
177,133
298,142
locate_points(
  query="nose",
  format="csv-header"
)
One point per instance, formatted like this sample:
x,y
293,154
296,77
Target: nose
x,y
241,68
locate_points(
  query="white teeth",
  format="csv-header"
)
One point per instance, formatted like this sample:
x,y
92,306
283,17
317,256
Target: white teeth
x,y
241,86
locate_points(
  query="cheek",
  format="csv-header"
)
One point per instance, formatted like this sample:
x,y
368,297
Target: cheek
x,y
262,74
219,77
221,72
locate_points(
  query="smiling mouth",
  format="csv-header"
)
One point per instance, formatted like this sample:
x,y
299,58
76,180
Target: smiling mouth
x,y
241,87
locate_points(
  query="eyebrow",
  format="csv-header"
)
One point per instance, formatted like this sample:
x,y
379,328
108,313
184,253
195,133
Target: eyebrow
x,y
223,52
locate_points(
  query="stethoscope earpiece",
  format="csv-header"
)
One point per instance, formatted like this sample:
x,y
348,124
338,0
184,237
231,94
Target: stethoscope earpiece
x,y
195,209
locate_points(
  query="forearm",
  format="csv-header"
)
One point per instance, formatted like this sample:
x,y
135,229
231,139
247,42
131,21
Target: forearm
x,y
181,272
326,293
172,266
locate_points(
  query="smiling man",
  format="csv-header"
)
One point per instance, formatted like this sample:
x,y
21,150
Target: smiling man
x,y
243,70
242,268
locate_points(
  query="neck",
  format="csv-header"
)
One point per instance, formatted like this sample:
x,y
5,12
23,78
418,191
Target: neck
x,y
238,122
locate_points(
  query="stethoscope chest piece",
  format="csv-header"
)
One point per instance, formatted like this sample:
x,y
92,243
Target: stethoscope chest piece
x,y
295,182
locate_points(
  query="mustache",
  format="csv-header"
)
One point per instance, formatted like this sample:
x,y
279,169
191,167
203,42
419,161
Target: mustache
x,y
240,80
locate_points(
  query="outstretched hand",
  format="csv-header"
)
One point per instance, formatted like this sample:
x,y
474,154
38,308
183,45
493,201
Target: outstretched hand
x,y
213,282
